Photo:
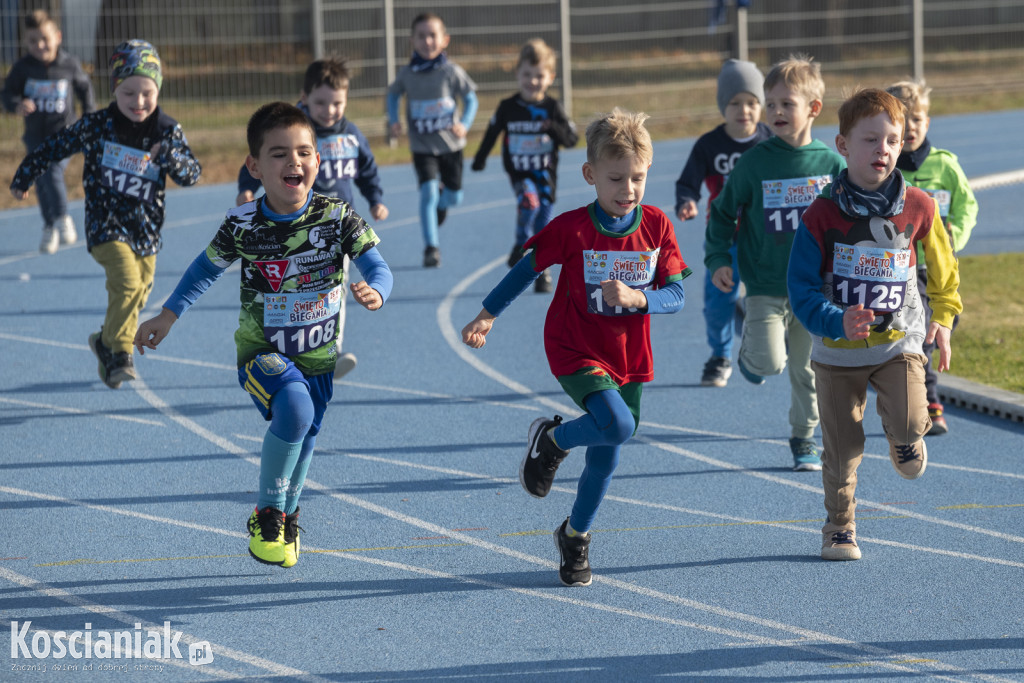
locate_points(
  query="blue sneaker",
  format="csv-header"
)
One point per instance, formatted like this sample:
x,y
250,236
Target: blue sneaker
x,y
805,455
747,374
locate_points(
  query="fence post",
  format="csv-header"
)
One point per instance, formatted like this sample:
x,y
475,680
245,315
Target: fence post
x,y
317,26
917,7
389,40
566,38
742,50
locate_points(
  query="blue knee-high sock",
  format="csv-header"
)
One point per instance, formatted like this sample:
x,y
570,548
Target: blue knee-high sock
x,y
429,198
292,414
449,198
298,477
597,475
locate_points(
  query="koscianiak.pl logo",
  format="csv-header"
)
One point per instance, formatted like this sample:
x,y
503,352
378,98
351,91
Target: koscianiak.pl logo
x,y
37,646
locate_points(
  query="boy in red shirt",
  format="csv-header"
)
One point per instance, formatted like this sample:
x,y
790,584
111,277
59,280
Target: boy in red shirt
x,y
619,262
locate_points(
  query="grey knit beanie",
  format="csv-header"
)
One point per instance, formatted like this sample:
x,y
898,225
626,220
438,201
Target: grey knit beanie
x,y
736,77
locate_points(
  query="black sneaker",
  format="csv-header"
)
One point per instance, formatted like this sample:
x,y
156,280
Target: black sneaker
x,y
543,283
431,257
573,565
516,255
543,457
105,357
717,372
121,368
291,539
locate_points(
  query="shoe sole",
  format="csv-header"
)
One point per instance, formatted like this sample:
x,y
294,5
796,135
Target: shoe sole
x,y
937,429
346,364
840,554
714,383
123,375
564,582
262,561
807,467
531,442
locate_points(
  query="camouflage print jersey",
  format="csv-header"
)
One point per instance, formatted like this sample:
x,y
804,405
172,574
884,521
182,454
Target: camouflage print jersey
x,y
292,278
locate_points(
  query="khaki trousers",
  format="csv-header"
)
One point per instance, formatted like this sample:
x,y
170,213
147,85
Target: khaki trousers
x,y
842,395
129,282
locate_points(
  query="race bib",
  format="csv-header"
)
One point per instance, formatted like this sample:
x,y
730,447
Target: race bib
x,y
873,276
530,152
50,97
297,322
785,201
129,171
339,156
943,198
432,116
634,268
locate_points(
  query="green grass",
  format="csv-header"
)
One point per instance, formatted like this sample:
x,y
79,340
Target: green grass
x,y
988,345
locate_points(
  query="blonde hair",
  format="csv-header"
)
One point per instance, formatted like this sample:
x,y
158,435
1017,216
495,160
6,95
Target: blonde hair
x,y
800,73
536,52
618,135
913,94
869,102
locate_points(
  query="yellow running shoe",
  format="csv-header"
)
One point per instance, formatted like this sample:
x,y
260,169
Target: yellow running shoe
x,y
266,536
291,539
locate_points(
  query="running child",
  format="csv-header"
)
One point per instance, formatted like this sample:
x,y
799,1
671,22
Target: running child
x,y
130,150
291,241
740,99
620,262
937,172
534,126
38,89
431,84
853,283
768,190
345,157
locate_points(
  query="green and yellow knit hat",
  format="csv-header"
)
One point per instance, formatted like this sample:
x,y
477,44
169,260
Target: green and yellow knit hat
x,y
134,58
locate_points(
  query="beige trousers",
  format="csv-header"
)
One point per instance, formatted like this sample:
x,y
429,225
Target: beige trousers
x,y
129,282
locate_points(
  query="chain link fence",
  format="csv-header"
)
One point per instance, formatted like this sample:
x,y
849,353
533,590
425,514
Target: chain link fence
x,y
224,58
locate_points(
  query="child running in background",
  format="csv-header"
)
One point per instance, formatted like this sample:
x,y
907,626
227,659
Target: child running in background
x,y
345,157
937,172
768,190
38,89
130,149
853,283
534,125
740,99
431,84
291,242
620,262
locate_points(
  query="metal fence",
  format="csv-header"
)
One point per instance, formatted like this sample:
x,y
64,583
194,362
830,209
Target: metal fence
x,y
223,58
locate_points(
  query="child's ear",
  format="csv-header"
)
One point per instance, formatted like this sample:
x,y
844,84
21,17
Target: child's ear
x,y
588,173
252,165
841,145
816,107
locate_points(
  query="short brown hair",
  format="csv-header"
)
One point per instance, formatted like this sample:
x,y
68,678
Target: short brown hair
x,y
332,72
427,16
869,102
271,117
799,72
39,18
618,135
913,94
537,53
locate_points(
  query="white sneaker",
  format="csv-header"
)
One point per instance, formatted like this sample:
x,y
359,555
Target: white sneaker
x,y
68,234
346,363
50,241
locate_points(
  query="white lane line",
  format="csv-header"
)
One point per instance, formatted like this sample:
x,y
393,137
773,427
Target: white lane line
x,y
805,639
454,341
130,619
77,411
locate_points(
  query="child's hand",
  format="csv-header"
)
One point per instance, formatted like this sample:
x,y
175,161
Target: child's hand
x,y
857,322
244,197
939,335
474,334
154,151
396,130
154,331
687,211
618,293
722,278
25,107
379,212
366,296
459,130
18,194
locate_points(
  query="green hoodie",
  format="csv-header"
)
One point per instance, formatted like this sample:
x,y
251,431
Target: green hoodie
x,y
767,192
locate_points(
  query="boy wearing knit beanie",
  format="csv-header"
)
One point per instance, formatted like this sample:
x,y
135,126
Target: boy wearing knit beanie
x,y
130,149
740,98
